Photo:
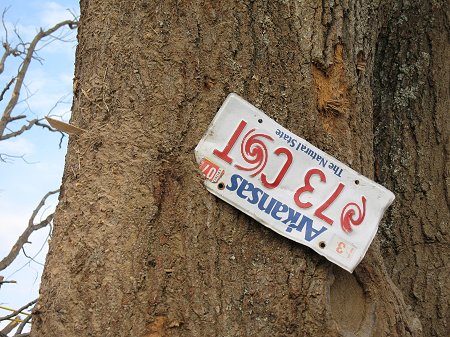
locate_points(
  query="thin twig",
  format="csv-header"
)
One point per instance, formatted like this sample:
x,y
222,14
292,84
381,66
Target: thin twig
x,y
18,311
28,127
12,281
24,128
23,238
22,325
15,118
30,257
33,259
10,327
6,88
8,158
5,43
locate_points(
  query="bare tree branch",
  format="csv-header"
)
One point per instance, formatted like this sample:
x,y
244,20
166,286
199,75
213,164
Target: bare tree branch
x,y
10,327
3,23
5,43
22,325
4,56
15,118
20,131
6,116
8,158
18,311
31,258
23,238
7,86
48,127
28,127
7,281
8,51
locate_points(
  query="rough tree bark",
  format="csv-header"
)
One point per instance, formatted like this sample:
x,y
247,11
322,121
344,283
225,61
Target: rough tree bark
x,y
140,248
412,129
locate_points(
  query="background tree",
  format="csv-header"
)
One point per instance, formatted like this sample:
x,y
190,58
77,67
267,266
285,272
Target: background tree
x,y
15,120
141,248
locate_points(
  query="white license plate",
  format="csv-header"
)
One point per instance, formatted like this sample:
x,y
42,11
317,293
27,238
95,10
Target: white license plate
x,y
289,185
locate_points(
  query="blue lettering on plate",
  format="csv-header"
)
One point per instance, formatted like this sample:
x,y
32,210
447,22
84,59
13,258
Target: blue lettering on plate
x,y
275,208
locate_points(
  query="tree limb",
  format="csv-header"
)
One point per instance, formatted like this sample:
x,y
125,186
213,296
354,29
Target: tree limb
x,y
6,88
8,49
10,327
4,157
21,130
2,282
22,325
27,127
23,238
15,118
26,334
18,311
4,120
5,43
48,127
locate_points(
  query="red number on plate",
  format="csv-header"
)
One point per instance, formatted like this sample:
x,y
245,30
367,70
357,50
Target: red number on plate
x,y
308,187
319,212
340,247
224,153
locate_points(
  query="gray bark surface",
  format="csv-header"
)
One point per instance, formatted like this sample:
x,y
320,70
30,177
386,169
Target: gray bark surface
x,y
412,131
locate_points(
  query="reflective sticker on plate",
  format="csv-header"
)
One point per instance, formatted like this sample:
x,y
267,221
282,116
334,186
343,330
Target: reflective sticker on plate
x,y
210,170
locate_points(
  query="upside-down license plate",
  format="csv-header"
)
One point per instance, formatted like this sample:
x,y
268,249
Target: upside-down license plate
x,y
289,185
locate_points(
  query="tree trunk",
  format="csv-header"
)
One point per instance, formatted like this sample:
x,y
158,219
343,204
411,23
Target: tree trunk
x,y
140,248
412,142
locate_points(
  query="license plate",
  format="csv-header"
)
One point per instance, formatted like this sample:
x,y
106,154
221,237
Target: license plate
x,y
287,184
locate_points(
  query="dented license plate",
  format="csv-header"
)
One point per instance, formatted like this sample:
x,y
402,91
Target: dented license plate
x,y
289,185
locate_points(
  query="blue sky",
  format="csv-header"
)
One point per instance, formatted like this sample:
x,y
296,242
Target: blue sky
x,y
23,184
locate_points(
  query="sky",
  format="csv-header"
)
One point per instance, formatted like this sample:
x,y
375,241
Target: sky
x,y
23,182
